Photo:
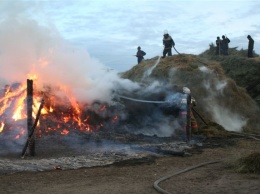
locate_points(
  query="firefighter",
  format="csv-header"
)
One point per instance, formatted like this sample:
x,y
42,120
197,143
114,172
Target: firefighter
x,y
140,54
192,103
218,44
168,44
224,44
250,46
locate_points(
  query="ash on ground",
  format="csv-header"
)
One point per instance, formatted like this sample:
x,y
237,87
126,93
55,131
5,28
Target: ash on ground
x,y
90,150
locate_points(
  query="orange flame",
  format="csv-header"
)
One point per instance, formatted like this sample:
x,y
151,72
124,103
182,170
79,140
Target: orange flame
x,y
21,134
32,76
19,106
88,128
66,119
65,132
2,126
36,105
8,97
70,118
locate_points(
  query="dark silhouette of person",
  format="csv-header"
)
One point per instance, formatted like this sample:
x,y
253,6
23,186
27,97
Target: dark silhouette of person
x,y
218,44
168,44
250,46
140,54
224,45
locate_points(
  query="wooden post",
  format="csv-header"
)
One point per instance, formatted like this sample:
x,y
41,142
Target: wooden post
x,y
30,135
29,115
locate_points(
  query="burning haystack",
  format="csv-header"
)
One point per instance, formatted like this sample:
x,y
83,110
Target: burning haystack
x,y
76,88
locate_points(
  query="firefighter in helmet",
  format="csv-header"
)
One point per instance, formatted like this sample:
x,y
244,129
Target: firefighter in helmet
x,y
168,43
193,122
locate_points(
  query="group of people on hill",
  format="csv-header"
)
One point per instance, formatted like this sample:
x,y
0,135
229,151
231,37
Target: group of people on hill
x,y
186,117
222,46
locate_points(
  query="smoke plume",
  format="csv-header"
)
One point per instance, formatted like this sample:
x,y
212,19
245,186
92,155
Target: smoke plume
x,y
221,112
28,48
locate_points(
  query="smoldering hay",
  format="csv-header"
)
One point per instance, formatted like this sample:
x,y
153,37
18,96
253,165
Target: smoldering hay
x,y
219,98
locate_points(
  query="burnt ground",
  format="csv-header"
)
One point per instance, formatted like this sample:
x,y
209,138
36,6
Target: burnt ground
x,y
135,170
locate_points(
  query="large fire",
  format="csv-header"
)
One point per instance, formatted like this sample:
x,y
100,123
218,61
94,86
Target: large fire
x,y
60,114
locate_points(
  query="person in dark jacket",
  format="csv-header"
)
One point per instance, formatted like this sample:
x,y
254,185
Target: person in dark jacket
x,y
218,44
224,45
250,46
140,54
168,44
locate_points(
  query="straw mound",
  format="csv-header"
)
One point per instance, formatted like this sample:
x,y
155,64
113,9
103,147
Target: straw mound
x,y
213,130
219,98
246,72
248,164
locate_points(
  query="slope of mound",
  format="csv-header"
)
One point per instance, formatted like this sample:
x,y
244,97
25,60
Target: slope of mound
x,y
218,96
245,71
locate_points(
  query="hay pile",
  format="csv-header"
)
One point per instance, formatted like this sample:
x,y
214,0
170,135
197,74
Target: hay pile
x,y
245,72
247,164
219,98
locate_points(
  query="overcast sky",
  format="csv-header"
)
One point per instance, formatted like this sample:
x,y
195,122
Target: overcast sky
x,y
111,30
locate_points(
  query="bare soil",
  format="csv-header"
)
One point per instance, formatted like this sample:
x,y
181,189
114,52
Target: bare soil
x,y
139,175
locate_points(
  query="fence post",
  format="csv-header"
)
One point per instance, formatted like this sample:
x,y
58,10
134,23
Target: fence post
x,y
29,115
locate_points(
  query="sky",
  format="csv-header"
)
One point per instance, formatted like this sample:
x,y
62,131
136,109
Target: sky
x,y
111,30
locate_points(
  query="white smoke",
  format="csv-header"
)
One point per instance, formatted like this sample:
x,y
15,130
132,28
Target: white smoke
x,y
204,69
221,114
230,121
28,48
154,86
164,128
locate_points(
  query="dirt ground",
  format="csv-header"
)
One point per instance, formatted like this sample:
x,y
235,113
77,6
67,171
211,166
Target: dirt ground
x,y
138,176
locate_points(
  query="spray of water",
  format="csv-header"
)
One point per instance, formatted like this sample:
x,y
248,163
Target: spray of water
x,y
148,72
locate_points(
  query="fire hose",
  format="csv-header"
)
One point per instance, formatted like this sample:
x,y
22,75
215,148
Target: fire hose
x,y
156,183
160,102
145,101
195,111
